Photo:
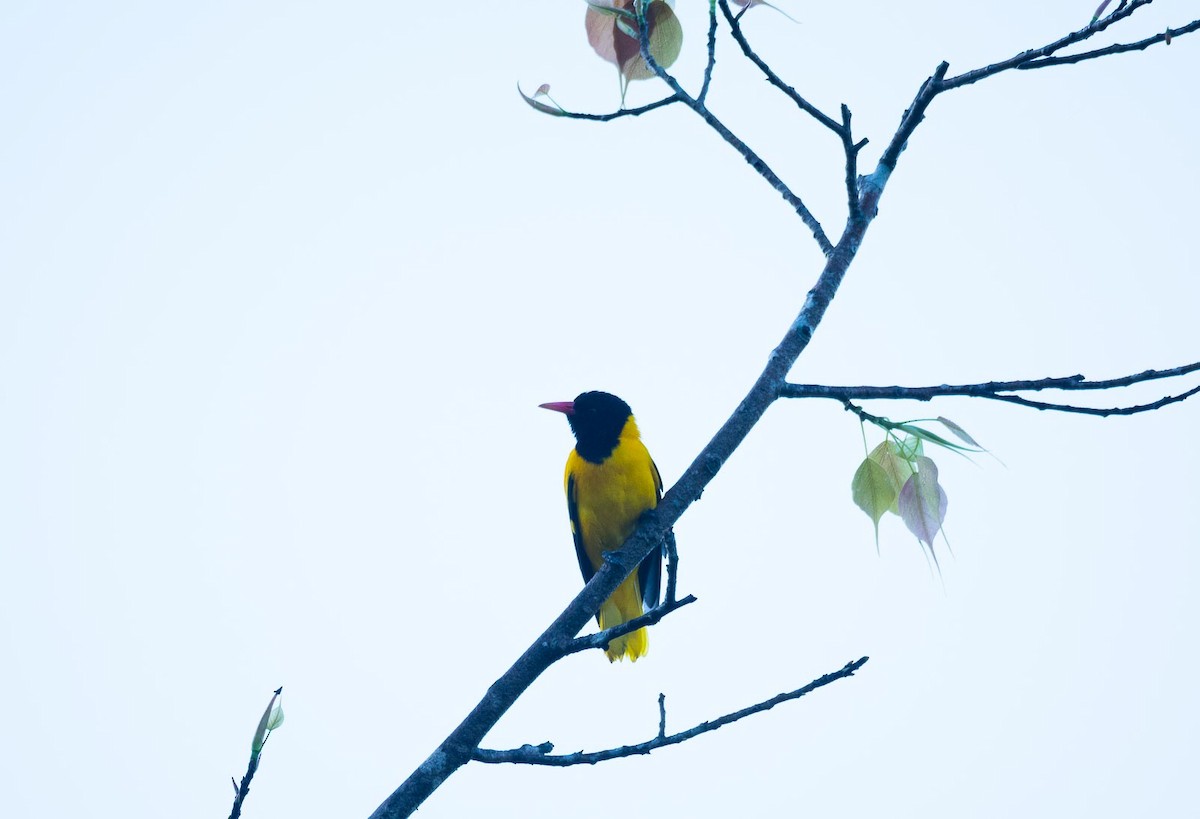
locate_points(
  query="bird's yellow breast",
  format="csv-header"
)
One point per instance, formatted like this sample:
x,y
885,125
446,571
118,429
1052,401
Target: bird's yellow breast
x,y
612,495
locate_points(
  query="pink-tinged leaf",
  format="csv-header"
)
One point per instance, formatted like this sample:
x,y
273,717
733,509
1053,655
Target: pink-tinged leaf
x,y
873,492
543,90
601,28
613,34
1100,11
923,502
553,111
959,432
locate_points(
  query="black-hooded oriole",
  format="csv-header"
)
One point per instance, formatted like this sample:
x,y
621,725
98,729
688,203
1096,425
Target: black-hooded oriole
x,y
610,481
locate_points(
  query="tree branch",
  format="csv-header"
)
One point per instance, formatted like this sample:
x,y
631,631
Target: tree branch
x,y
754,160
1070,382
541,754
735,28
558,111
1001,391
1117,48
712,52
601,639
1122,12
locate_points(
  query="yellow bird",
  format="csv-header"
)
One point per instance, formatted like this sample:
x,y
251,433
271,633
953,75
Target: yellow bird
x,y
610,481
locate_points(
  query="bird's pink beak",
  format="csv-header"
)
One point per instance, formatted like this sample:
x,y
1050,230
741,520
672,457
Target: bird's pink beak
x,y
565,407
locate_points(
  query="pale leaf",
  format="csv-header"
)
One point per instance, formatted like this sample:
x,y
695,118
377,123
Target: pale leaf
x,y
873,492
887,455
959,432
923,502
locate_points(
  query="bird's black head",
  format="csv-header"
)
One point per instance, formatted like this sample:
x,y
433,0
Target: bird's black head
x,y
597,419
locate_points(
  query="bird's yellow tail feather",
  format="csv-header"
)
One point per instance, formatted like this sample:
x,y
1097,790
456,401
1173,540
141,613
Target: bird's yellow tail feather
x,y
621,607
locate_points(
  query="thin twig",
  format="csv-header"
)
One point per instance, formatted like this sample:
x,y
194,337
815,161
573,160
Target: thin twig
x,y
1016,61
672,564
735,28
624,112
1002,391
1133,410
850,148
754,160
541,754
1116,48
601,639
712,52
1075,382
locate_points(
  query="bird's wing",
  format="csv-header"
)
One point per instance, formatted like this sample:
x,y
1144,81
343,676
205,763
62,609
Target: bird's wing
x,y
650,569
585,565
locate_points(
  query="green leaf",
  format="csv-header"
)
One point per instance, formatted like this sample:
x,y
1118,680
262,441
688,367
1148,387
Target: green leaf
x,y
909,447
873,491
264,724
888,456
923,502
276,717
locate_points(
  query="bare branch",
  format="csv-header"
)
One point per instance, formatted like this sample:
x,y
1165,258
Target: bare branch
x,y
1087,32
712,52
603,638
662,716
850,148
754,160
873,185
1133,410
541,754
1116,48
555,111
735,28
1002,391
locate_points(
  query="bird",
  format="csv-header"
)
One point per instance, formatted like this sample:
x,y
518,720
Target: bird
x,y
610,481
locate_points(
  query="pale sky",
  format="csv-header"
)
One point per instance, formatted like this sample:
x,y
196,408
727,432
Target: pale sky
x,y
282,284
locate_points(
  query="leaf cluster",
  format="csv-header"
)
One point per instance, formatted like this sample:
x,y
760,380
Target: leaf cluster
x,y
897,476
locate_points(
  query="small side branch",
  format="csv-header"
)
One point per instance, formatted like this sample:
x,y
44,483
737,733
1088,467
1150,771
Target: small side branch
x,y
1116,48
872,186
754,160
541,754
603,638
735,28
712,52
1123,12
556,111
1003,391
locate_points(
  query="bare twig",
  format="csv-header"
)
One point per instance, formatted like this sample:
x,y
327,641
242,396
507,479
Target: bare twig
x,y
662,716
712,52
754,160
735,28
1016,61
1116,48
1002,391
541,754
624,112
601,639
